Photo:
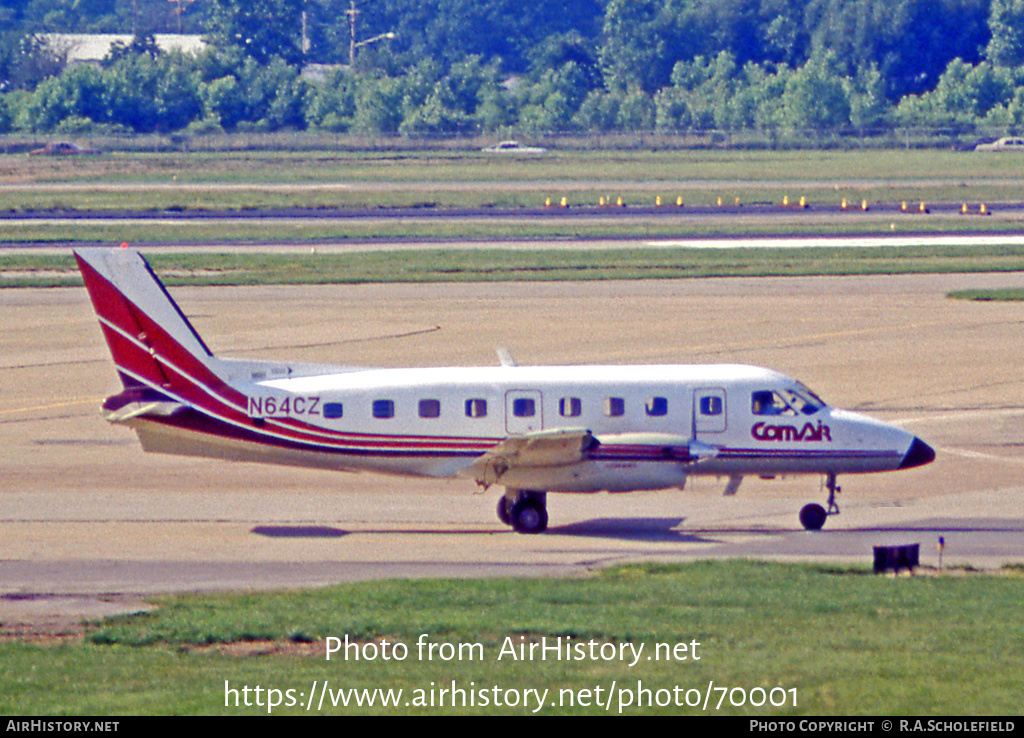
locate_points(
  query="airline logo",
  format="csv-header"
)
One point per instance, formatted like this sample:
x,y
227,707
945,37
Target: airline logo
x,y
810,433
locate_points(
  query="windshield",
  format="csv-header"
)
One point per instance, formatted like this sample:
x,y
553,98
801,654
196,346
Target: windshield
x,y
791,401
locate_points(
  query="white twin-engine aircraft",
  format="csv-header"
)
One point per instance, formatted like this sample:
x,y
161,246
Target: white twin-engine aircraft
x,y
531,429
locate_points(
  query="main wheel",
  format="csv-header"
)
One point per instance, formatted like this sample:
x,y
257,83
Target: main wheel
x,y
503,513
813,516
529,516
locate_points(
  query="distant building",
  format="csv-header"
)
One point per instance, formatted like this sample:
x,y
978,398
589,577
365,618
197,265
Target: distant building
x,y
320,72
91,48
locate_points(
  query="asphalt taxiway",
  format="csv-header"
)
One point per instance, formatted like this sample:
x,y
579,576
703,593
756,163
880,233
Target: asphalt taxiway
x,y
86,516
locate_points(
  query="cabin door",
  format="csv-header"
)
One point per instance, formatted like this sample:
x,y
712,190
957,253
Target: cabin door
x,y
523,412
709,410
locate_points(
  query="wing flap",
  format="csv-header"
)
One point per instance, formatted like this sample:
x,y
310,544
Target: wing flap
x,y
535,450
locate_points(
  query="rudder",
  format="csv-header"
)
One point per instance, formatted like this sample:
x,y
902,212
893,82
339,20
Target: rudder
x,y
152,342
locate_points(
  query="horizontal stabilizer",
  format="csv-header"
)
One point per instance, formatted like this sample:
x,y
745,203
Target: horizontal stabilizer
x,y
135,402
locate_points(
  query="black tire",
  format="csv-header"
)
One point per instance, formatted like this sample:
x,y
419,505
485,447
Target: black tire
x,y
503,514
813,516
529,516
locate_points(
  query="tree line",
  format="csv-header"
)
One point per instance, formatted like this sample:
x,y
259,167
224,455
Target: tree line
x,y
455,66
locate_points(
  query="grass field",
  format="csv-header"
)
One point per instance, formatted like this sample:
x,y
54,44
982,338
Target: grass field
x,y
439,265
834,641
434,181
158,181
989,295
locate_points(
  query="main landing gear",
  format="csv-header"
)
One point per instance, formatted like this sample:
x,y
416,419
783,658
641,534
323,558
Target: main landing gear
x,y
813,516
525,510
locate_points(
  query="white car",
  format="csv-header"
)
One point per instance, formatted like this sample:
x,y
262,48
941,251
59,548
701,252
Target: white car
x,y
1004,144
512,147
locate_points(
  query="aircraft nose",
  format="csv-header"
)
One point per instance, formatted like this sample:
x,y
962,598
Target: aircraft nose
x,y
919,454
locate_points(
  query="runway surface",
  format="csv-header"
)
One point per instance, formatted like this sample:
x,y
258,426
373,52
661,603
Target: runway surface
x,y
963,240
89,523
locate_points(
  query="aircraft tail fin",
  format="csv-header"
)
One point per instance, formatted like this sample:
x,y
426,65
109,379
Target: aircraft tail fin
x,y
163,363
150,339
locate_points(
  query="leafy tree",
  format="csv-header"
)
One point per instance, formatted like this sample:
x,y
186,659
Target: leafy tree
x,y
637,112
598,112
449,31
816,98
910,41
26,61
1010,114
785,39
78,92
224,102
642,42
237,92
551,102
6,116
68,16
378,105
766,95
331,105
261,29
1006,22
869,107
145,94
140,45
558,50
965,95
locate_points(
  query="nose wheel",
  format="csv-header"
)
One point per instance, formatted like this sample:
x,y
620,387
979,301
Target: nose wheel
x,y
813,516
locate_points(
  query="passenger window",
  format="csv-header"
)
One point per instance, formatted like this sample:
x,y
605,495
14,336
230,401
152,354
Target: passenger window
x,y
656,406
711,406
430,408
476,408
614,407
524,407
570,407
383,408
333,410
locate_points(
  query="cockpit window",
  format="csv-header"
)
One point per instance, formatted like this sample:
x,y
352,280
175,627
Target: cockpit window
x,y
805,401
793,401
767,402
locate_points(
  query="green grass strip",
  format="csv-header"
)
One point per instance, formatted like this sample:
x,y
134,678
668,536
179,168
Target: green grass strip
x,y
848,642
1004,295
512,264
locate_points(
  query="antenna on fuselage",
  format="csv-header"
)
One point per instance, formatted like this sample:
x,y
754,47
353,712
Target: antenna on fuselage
x,y
505,356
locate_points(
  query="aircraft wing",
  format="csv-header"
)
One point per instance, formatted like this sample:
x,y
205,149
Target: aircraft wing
x,y
539,449
564,447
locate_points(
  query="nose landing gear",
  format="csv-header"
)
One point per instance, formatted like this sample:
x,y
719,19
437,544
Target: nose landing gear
x,y
813,516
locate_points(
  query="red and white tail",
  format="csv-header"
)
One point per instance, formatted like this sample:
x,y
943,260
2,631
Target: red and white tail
x,y
162,361
144,328
177,396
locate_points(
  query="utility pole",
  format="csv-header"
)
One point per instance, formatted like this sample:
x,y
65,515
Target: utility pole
x,y
352,14
179,11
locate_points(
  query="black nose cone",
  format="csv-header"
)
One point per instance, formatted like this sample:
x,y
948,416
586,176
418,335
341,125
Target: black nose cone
x,y
919,454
